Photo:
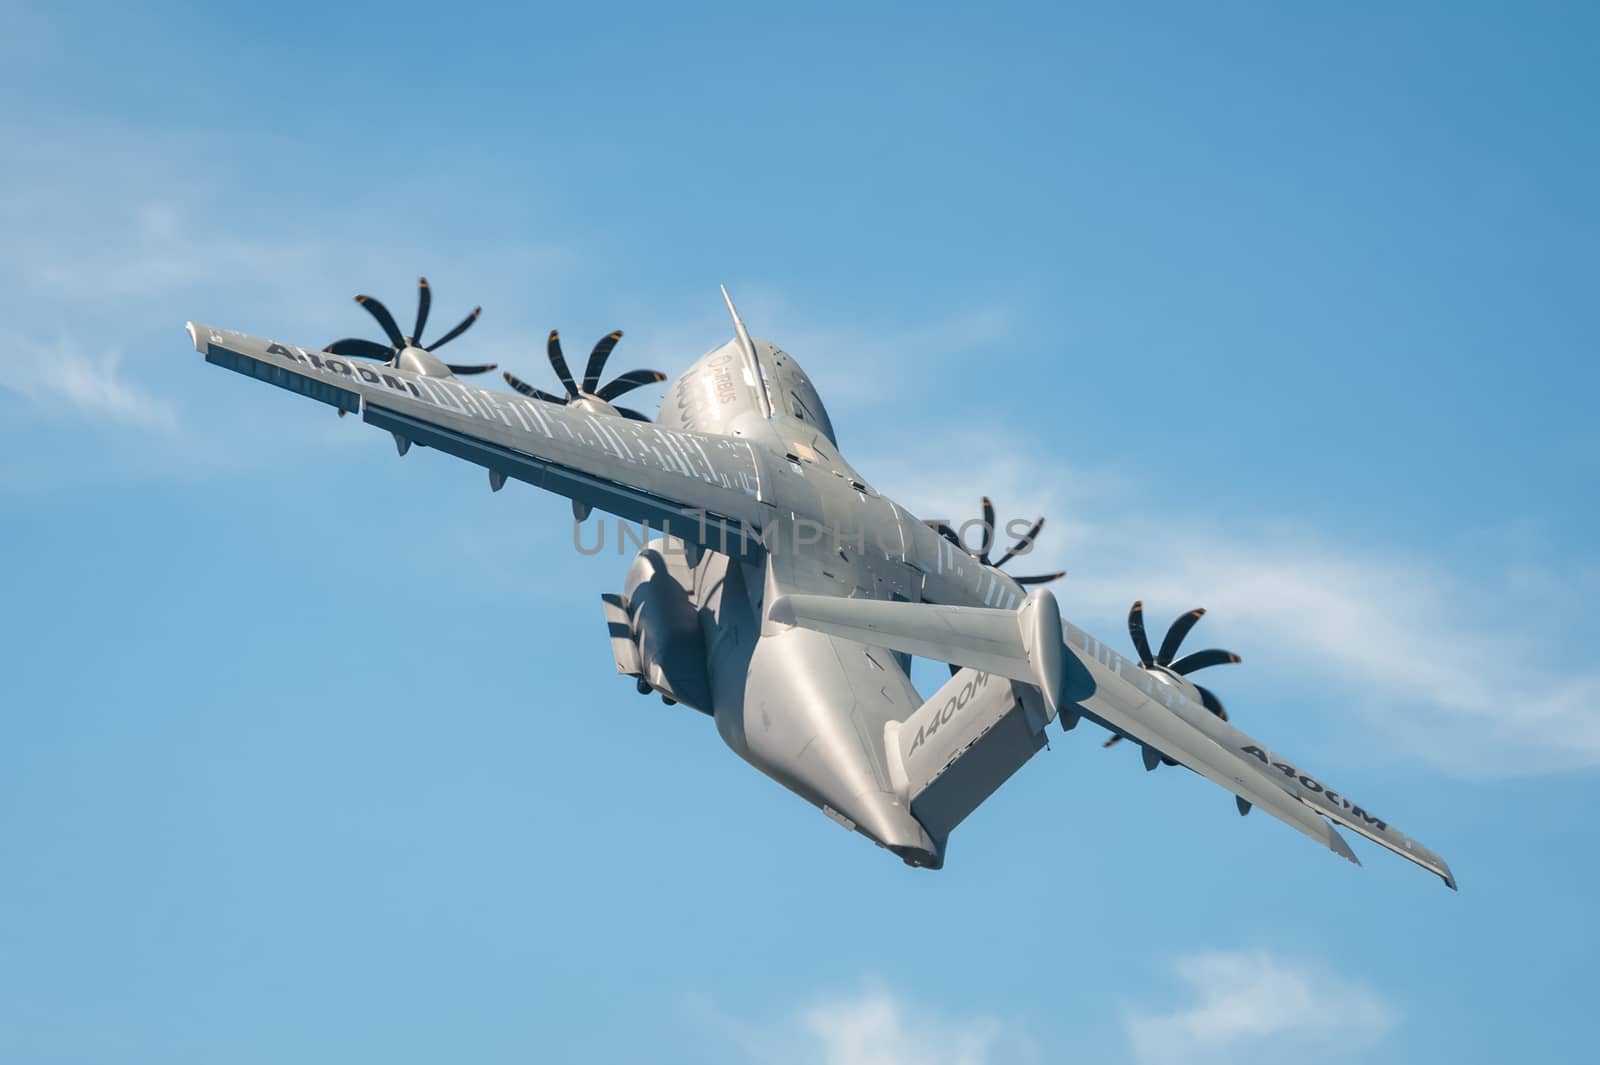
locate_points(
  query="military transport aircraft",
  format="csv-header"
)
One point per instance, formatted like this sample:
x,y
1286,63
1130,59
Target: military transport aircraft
x,y
784,596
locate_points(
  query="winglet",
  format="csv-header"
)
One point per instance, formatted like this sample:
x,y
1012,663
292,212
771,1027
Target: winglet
x,y
749,348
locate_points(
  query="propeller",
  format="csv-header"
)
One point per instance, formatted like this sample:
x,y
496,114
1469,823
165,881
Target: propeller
x,y
398,341
1163,659
1022,546
590,385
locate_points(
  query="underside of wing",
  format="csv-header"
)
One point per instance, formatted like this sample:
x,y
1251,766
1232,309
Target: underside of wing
x,y
700,488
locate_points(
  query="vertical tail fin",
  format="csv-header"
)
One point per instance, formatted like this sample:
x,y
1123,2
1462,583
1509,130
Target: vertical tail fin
x,y
749,348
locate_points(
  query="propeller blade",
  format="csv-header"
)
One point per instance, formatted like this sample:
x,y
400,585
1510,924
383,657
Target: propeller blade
x,y
988,531
558,362
1204,660
628,382
1022,544
1211,702
1141,643
385,320
462,371
597,360
632,415
360,349
1115,739
1042,578
424,301
1175,635
528,390
462,327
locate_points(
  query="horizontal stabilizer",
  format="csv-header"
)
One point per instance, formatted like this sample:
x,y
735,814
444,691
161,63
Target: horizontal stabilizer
x,y
1023,644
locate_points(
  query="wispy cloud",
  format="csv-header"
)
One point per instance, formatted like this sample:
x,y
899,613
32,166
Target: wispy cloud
x,y
1454,669
108,235
61,379
132,252
1463,669
874,1026
110,228
1234,1003
878,1029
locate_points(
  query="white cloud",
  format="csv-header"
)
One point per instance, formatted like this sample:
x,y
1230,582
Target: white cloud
x,y
1236,1002
107,228
59,378
1452,668
876,1027
107,236
1468,670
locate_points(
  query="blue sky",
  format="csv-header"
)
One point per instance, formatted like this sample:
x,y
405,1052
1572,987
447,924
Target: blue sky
x,y
313,754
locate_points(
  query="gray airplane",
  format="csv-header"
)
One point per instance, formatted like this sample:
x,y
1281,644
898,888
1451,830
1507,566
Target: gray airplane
x,y
778,592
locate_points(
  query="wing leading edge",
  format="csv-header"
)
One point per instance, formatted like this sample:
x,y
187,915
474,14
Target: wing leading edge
x,y
701,488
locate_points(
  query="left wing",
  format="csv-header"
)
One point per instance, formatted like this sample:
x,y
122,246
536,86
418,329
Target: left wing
x,y
701,488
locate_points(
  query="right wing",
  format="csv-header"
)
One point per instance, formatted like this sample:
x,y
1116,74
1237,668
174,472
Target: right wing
x,y
1128,700
1091,680
701,488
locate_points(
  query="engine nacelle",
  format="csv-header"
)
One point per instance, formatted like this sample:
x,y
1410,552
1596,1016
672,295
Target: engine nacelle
x,y
666,624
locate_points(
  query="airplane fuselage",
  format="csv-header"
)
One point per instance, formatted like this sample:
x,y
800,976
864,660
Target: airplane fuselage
x,y
809,709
